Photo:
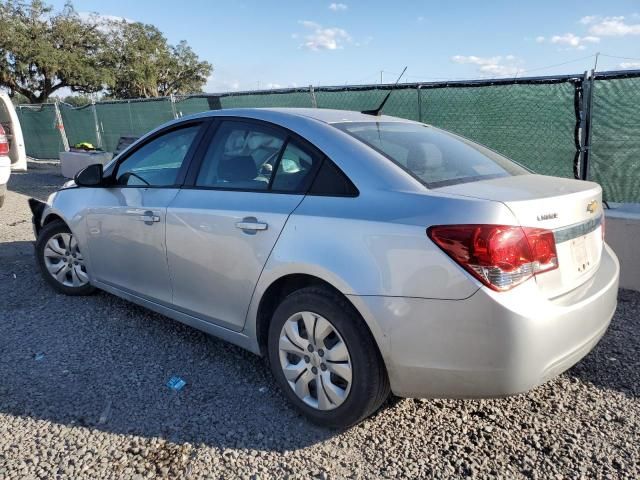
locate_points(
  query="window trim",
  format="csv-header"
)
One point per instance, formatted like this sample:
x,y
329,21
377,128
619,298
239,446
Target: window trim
x,y
203,123
218,121
355,194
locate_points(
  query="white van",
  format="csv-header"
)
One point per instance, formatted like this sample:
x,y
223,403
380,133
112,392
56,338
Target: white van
x,y
12,152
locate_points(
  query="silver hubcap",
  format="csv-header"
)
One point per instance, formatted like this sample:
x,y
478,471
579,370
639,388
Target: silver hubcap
x,y
64,261
315,360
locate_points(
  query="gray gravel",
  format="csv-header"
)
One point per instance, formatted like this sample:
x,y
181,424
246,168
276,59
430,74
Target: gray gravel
x,y
83,395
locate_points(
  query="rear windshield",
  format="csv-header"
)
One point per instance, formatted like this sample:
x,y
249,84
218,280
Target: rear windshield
x,y
434,157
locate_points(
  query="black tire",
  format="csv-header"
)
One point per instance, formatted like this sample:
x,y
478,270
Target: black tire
x,y
369,386
46,233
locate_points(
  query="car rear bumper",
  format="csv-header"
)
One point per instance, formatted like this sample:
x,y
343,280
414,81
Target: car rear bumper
x,y
492,343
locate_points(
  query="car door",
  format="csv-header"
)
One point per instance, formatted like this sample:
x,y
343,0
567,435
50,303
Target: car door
x,y
222,226
126,220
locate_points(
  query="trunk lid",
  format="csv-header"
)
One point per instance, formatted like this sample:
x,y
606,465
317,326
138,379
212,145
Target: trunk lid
x,y
572,209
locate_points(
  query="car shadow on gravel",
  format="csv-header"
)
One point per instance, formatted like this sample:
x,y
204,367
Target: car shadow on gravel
x,y
103,363
614,363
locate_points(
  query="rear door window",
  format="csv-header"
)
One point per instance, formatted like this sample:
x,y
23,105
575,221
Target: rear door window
x,y
295,170
433,156
241,156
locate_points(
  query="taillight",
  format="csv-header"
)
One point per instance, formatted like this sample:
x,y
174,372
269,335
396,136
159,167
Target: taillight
x,y
4,143
500,256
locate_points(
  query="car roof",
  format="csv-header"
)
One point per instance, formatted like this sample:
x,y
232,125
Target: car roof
x,y
324,115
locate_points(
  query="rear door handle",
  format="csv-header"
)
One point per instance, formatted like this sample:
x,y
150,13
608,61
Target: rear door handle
x,y
147,216
251,225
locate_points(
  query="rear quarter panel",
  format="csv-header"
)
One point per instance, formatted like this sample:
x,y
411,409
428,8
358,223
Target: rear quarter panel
x,y
375,245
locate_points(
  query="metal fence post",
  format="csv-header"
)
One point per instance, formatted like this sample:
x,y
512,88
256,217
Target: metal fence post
x,y
588,100
96,124
314,102
172,99
579,136
419,103
60,126
130,117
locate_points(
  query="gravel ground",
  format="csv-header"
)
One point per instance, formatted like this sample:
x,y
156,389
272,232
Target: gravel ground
x,y
83,395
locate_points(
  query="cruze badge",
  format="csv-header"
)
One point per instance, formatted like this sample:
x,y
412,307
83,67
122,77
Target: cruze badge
x,y
592,206
547,216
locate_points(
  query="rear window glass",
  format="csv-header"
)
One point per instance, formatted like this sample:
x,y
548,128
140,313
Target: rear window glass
x,y
434,157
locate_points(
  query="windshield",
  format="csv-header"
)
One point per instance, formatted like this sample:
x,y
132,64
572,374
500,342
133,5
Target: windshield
x,y
433,156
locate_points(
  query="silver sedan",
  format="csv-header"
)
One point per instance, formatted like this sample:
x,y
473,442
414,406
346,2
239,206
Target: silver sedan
x,y
361,254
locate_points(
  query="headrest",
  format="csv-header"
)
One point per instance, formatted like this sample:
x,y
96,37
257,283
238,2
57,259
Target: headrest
x,y
423,157
235,169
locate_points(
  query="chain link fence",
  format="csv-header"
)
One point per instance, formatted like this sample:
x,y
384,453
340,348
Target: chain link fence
x,y
583,126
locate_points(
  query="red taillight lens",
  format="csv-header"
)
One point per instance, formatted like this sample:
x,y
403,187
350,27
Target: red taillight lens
x,y
4,143
500,256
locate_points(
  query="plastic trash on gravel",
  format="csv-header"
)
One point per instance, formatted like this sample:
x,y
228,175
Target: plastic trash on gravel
x,y
176,383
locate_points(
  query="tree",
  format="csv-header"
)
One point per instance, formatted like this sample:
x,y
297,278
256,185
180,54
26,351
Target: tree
x,y
145,65
77,100
18,98
42,52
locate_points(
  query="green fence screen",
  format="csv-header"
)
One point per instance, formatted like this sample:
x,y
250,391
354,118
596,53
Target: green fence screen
x,y
534,121
40,130
615,153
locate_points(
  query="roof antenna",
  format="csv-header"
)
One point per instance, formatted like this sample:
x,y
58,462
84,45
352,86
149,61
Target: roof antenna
x,y
378,111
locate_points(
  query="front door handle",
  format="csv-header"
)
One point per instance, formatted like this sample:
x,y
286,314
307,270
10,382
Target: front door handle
x,y
251,225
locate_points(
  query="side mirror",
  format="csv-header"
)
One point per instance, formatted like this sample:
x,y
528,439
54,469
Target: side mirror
x,y
90,176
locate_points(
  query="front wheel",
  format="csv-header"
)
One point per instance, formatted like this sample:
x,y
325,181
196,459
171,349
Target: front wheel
x,y
325,359
61,263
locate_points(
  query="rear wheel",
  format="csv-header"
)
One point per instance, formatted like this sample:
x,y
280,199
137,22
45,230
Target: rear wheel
x,y
325,359
61,263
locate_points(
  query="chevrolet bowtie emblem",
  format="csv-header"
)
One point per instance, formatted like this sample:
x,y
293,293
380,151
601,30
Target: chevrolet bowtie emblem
x,y
592,206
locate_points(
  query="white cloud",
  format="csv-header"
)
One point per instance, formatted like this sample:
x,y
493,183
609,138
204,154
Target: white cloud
x,y
97,18
589,19
337,7
540,39
574,41
104,23
498,66
614,27
215,84
364,42
630,65
322,38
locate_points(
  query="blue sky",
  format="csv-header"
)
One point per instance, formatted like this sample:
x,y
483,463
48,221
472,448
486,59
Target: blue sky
x,y
270,44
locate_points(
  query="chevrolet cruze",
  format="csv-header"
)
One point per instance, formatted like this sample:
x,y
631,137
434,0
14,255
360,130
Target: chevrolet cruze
x,y
361,254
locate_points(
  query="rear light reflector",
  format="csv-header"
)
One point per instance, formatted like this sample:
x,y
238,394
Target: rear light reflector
x,y
500,256
4,142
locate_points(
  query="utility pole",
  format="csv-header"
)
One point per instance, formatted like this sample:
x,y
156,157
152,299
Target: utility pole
x,y
381,77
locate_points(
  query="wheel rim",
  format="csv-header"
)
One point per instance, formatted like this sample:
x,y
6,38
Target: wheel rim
x,y
315,361
64,261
